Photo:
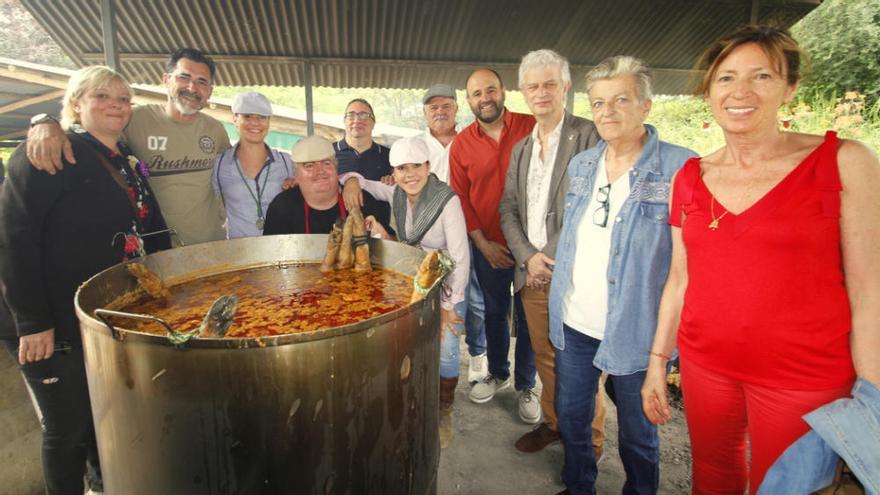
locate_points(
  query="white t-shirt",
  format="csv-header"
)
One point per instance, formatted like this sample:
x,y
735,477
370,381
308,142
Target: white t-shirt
x,y
585,306
538,194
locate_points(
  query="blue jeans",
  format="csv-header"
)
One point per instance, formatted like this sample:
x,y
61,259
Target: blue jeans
x,y
450,354
849,428
577,382
496,284
475,335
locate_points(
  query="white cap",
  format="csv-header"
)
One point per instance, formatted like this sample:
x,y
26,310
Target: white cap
x,y
408,150
252,103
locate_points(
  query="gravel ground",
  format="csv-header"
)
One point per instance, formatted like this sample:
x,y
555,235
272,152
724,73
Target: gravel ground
x,y
482,459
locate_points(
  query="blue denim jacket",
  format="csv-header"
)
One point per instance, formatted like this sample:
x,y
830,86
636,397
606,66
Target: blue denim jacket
x,y
849,428
641,249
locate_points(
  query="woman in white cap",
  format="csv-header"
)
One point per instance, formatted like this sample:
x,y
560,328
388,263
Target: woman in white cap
x,y
250,174
428,214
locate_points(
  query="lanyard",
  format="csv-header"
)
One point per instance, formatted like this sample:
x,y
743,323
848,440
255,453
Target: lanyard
x,y
258,197
306,209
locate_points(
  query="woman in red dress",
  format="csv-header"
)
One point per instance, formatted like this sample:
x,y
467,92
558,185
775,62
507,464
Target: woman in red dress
x,y
773,291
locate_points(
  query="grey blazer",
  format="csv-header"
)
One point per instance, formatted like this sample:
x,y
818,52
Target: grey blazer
x,y
577,134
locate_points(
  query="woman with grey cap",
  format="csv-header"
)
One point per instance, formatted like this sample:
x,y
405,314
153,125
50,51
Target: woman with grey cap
x,y
250,174
314,204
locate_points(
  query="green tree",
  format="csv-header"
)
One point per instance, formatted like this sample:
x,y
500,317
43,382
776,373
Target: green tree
x,y
22,38
842,38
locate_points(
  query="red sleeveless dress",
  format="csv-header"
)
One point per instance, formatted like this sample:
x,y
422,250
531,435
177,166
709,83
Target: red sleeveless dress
x,y
766,301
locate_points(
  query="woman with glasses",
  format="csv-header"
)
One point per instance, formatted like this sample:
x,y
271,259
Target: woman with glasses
x,y
611,263
56,231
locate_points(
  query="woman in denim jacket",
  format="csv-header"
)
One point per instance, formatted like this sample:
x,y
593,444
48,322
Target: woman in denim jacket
x,y
611,263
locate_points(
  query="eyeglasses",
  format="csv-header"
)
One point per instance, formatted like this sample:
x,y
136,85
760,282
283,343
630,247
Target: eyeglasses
x,y
184,79
310,167
600,216
358,115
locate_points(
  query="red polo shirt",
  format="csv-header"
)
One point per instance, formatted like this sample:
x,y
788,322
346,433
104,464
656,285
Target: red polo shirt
x,y
478,168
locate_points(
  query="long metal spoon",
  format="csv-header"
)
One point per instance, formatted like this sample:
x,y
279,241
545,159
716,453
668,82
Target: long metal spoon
x,y
219,317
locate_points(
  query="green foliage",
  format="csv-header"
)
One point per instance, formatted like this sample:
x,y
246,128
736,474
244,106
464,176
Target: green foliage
x,y
842,39
22,38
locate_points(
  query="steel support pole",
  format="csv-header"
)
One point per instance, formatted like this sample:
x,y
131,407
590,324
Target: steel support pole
x,y
108,28
310,110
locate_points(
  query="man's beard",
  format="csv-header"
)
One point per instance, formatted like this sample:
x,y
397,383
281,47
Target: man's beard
x,y
499,109
183,107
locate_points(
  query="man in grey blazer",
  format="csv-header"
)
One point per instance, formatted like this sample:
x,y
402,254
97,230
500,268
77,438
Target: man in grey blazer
x,y
531,218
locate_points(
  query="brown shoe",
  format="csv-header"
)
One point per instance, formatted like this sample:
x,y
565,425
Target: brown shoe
x,y
447,432
537,439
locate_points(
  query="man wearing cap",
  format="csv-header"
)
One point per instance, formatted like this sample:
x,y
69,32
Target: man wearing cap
x,y
176,140
440,110
249,175
314,204
531,219
478,161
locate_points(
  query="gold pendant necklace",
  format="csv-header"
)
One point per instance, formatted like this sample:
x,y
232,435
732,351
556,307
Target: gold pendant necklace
x,y
714,223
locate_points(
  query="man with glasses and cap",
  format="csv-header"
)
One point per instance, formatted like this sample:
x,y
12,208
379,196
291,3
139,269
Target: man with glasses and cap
x,y
314,204
250,174
177,141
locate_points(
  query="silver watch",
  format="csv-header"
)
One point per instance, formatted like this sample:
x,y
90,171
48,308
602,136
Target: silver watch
x,y
42,118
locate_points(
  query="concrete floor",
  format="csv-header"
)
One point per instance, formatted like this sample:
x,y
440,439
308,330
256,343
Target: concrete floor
x,y
481,459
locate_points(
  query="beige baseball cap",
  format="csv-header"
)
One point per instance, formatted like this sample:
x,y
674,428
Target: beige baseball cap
x,y
312,149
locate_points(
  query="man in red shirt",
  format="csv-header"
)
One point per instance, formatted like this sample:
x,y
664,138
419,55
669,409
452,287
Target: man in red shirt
x,y
478,161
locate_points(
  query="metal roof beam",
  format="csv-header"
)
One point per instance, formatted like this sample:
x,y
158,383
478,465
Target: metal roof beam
x,y
13,135
12,72
34,100
367,62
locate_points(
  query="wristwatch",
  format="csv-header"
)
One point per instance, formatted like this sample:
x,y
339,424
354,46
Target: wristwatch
x,y
42,118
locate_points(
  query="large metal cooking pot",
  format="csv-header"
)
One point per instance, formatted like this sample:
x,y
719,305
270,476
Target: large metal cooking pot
x,y
348,410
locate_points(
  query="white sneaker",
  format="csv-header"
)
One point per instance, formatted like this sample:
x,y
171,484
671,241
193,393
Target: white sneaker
x,y
486,388
478,368
529,406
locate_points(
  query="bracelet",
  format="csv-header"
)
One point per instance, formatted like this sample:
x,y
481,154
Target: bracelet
x,y
661,355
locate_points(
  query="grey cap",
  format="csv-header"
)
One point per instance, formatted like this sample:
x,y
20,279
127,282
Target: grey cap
x,y
312,149
444,90
251,103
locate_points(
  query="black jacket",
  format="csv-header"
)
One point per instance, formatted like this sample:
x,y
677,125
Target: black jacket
x,y
58,230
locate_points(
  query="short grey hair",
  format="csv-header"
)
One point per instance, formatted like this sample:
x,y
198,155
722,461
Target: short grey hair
x,y
544,58
619,66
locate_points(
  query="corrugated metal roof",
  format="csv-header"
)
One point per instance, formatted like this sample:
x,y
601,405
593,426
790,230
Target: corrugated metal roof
x,y
402,43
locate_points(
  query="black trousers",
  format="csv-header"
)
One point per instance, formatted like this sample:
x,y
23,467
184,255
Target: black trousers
x,y
70,450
